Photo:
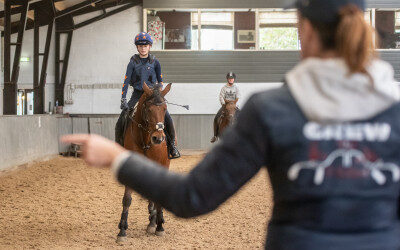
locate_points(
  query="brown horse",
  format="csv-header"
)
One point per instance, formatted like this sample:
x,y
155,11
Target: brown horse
x,y
227,117
145,135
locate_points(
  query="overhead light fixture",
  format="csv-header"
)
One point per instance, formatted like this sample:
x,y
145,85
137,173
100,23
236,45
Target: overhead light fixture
x,y
25,59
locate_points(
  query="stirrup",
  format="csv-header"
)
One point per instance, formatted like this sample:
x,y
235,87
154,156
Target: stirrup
x,y
170,156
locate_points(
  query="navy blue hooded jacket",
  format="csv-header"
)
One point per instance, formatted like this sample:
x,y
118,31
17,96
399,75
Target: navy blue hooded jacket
x,y
140,70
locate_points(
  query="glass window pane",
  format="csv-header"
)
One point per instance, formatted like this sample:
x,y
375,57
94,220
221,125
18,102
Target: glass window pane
x,y
156,28
195,39
216,30
195,17
279,39
216,17
213,18
216,39
278,17
278,30
385,24
367,16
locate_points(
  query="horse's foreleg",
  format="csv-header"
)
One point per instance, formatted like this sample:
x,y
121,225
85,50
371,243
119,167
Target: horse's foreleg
x,y
151,228
160,221
123,224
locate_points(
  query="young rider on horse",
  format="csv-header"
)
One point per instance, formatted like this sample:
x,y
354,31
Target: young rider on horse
x,y
143,67
229,92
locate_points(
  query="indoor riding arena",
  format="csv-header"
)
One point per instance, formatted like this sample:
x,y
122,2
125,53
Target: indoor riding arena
x,y
63,66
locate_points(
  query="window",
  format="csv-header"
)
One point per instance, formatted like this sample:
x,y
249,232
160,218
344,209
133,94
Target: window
x,y
279,18
265,29
216,30
367,16
25,102
387,26
213,18
278,30
170,29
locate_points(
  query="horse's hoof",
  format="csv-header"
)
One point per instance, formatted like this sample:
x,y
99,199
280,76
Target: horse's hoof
x,y
151,229
121,239
160,233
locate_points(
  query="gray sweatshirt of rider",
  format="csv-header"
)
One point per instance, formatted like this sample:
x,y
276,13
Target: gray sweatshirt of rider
x,y
229,93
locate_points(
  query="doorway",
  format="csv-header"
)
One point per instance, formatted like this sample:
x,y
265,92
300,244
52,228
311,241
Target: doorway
x,y
25,102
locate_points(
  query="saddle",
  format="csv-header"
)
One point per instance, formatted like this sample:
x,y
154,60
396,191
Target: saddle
x,y
129,115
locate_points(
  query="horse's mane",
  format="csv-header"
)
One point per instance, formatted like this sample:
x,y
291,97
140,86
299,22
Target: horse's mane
x,y
156,96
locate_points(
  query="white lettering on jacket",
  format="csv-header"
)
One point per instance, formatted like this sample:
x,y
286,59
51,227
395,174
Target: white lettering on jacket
x,y
351,132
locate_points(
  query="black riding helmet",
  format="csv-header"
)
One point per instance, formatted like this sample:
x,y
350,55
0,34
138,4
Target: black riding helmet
x,y
230,75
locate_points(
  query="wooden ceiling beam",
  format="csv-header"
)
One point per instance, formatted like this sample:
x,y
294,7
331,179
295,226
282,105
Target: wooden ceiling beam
x,y
76,7
107,14
65,16
60,6
101,5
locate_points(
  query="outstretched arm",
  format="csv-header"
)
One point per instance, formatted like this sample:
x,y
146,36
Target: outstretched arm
x,y
240,155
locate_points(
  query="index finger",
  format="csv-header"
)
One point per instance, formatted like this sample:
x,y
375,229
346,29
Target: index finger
x,y
76,138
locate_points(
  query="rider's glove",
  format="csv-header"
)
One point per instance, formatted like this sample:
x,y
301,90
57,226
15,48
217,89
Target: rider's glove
x,y
124,104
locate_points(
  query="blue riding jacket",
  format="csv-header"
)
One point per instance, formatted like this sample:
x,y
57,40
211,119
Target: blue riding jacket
x,y
141,70
336,186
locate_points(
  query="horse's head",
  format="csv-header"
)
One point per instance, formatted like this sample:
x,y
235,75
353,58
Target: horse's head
x,y
230,110
153,112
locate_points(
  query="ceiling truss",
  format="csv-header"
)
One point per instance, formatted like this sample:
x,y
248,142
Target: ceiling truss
x,y
21,15
64,13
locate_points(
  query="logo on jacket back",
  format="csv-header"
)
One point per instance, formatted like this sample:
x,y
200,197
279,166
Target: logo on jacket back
x,y
347,161
349,132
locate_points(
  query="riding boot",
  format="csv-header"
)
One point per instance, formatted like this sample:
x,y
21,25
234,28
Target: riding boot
x,y
215,123
216,118
119,128
169,131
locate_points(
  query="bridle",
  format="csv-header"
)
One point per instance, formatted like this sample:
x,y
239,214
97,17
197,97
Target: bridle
x,y
144,128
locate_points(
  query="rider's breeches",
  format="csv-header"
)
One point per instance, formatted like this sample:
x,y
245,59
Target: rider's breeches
x,y
135,98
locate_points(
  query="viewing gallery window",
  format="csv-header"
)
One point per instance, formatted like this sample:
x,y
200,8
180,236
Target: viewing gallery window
x,y
248,29
387,27
278,30
216,30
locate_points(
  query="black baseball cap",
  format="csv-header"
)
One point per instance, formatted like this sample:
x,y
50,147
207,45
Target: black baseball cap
x,y
324,10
